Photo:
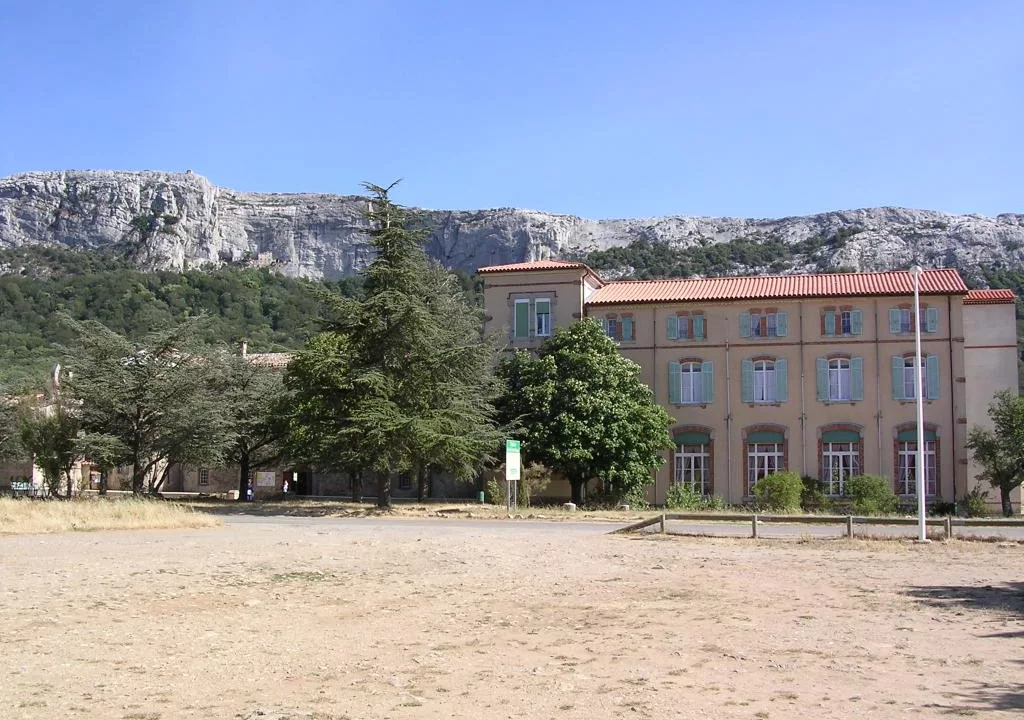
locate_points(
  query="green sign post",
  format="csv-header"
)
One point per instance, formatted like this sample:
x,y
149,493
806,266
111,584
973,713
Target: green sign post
x,y
512,472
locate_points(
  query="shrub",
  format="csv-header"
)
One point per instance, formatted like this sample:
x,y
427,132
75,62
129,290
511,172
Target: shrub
x,y
871,495
532,479
779,491
975,503
683,497
812,495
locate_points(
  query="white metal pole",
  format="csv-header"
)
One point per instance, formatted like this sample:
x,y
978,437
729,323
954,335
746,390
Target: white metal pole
x,y
920,471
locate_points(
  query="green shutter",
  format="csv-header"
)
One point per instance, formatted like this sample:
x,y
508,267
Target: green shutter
x,y
844,436
897,377
894,321
933,377
830,322
931,320
766,436
707,372
747,381
821,378
627,329
692,438
745,331
698,327
781,324
672,328
857,378
856,322
782,380
522,319
910,435
674,391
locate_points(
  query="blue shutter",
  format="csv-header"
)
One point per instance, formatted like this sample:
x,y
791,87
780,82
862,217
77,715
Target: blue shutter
x,y
782,380
781,324
821,378
856,322
672,328
627,329
933,377
830,322
894,321
856,378
698,327
745,332
674,391
747,381
931,320
707,373
897,377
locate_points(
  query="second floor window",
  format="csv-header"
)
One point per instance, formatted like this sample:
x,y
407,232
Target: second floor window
x,y
691,382
612,328
764,381
841,322
839,379
759,324
686,327
542,317
531,318
901,320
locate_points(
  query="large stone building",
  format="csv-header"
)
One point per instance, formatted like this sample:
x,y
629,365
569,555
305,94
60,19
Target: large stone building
x,y
812,373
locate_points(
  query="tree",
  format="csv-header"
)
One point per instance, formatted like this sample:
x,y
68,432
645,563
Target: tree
x,y
50,433
10,429
254,397
1000,451
148,404
397,382
584,412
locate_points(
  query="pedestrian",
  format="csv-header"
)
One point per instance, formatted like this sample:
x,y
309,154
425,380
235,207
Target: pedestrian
x,y
248,491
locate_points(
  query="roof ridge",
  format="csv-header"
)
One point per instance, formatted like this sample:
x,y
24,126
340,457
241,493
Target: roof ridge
x,y
771,277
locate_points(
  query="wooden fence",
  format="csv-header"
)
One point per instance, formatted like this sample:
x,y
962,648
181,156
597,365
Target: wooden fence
x,y
947,523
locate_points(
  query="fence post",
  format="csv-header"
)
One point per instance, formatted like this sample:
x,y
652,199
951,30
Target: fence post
x,y
754,526
663,523
949,527
849,526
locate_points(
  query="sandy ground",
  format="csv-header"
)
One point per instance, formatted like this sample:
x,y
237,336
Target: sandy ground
x,y
400,618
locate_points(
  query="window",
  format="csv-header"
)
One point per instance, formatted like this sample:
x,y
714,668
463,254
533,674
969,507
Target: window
x,y
839,379
906,478
531,318
910,378
612,328
901,320
763,459
404,481
906,321
764,381
693,467
542,317
204,476
844,321
764,324
904,377
691,382
686,327
521,320
683,323
839,462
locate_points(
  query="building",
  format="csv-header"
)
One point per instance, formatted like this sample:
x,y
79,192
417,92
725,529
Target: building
x,y
811,373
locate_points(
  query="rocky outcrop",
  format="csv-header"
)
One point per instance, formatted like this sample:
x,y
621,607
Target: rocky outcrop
x,y
181,220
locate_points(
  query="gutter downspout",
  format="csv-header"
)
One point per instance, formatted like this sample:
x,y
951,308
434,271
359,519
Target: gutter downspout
x,y
803,399
654,389
728,416
952,395
878,394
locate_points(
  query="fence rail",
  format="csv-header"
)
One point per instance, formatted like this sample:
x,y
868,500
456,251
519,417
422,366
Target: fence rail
x,y
947,523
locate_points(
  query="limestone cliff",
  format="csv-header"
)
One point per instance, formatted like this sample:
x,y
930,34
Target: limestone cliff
x,y
179,220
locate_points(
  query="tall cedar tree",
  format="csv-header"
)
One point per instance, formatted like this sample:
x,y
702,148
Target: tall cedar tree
x,y
148,404
410,385
50,434
1001,451
585,413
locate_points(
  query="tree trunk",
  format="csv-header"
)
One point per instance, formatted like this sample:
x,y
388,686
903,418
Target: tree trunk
x,y
1004,494
103,481
384,489
422,483
579,495
356,480
71,484
138,475
243,477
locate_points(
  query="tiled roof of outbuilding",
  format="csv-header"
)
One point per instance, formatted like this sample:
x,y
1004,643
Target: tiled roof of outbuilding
x,y
534,265
770,287
989,297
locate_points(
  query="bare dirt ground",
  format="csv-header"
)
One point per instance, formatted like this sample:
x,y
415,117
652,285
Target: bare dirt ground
x,y
411,618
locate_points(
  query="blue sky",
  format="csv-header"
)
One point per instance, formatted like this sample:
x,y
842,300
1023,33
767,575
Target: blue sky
x,y
601,109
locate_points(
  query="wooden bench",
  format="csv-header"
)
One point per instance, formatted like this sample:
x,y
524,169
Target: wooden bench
x,y
21,487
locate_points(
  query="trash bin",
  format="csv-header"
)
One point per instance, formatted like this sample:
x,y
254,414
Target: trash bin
x,y
232,494
480,497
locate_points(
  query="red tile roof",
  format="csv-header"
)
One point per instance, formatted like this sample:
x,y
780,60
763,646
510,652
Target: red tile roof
x,y
989,297
535,265
899,282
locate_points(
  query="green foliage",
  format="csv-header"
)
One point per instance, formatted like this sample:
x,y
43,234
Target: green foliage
x,y
533,479
584,412
779,491
871,495
683,497
1001,451
50,435
10,430
812,496
269,310
975,503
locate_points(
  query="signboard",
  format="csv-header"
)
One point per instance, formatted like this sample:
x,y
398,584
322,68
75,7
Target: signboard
x,y
266,479
511,459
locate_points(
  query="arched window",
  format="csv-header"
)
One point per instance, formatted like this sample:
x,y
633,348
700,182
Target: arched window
x,y
692,466
841,451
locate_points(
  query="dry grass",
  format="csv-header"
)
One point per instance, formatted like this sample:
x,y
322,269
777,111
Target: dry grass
x,y
51,516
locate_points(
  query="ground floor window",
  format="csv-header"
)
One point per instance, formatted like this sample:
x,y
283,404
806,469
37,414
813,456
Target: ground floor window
x,y
763,459
204,476
839,462
693,467
906,476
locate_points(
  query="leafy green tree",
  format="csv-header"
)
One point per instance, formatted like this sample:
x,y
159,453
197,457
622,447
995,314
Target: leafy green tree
x,y
1000,451
149,404
50,434
10,429
584,412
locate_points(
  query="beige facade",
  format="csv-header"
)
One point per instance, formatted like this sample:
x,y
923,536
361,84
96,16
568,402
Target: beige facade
x,y
822,385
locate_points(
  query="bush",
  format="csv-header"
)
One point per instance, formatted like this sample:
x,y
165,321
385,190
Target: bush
x,y
975,503
779,491
812,496
871,495
683,497
533,479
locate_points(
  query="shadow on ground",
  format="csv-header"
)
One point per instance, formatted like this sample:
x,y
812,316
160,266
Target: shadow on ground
x,y
1006,597
287,509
